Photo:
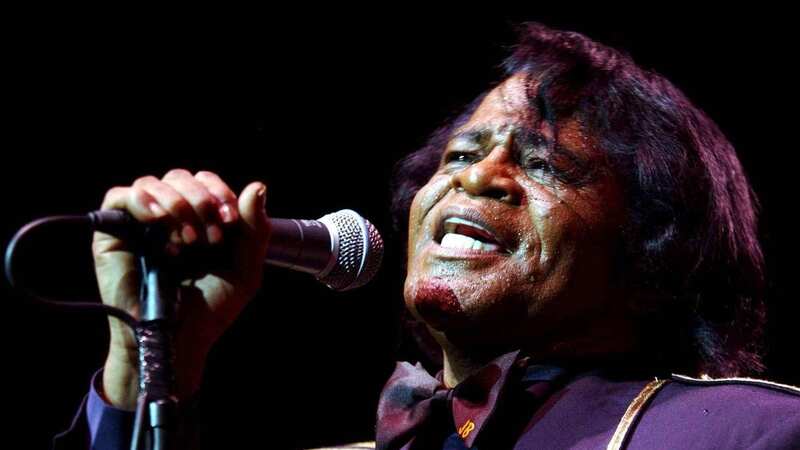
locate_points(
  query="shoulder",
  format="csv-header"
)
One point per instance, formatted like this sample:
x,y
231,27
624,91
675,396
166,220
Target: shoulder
x,y
749,382
601,408
761,396
732,412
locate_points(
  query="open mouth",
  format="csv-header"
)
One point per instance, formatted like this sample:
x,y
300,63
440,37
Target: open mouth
x,y
464,234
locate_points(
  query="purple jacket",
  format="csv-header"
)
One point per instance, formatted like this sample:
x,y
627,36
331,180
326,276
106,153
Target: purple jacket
x,y
509,404
585,411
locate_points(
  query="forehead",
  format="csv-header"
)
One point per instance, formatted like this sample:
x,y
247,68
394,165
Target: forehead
x,y
512,105
506,103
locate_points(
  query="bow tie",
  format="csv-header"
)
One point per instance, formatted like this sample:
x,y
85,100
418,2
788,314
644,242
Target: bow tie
x,y
413,403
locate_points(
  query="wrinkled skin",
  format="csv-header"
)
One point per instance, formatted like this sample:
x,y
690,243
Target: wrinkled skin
x,y
558,216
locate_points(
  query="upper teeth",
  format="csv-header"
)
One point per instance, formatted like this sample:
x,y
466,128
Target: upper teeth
x,y
451,223
453,240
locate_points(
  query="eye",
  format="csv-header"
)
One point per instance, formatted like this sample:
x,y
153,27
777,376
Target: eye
x,y
545,170
458,157
540,168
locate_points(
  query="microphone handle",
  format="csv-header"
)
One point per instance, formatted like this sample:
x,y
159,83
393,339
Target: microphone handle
x,y
303,245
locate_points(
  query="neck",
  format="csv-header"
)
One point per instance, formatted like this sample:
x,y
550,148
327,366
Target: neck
x,y
594,344
459,364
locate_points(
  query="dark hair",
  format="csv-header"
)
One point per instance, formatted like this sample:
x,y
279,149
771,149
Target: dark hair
x,y
691,248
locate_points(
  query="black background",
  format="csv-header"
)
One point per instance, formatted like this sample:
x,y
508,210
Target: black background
x,y
318,105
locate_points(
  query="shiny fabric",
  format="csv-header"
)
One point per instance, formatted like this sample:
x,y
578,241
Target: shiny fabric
x,y
416,410
537,407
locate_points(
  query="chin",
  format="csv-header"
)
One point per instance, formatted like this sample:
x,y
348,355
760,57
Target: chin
x,y
433,301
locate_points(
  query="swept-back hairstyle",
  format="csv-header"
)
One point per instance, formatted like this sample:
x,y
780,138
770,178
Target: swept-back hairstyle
x,y
691,252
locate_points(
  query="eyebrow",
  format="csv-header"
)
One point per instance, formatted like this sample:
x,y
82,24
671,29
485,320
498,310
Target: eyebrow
x,y
583,169
523,137
475,136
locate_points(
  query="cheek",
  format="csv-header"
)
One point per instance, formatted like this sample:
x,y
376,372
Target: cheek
x,y
557,236
425,199
557,241
552,232
576,239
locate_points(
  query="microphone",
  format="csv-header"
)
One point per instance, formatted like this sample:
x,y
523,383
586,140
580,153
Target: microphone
x,y
342,249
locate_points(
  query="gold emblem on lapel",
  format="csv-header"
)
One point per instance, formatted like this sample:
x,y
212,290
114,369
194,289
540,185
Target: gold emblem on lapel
x,y
466,429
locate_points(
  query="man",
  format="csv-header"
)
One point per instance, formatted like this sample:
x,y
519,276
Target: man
x,y
586,214
578,234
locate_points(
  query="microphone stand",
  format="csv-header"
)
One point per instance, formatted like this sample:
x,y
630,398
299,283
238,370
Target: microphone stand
x,y
156,424
157,403
156,419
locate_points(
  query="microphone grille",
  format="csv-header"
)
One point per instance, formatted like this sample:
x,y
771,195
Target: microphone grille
x,y
360,250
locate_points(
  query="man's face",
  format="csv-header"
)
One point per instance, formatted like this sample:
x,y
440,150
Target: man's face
x,y
511,240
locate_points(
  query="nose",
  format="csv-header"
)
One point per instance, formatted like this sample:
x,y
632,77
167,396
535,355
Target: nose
x,y
490,177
